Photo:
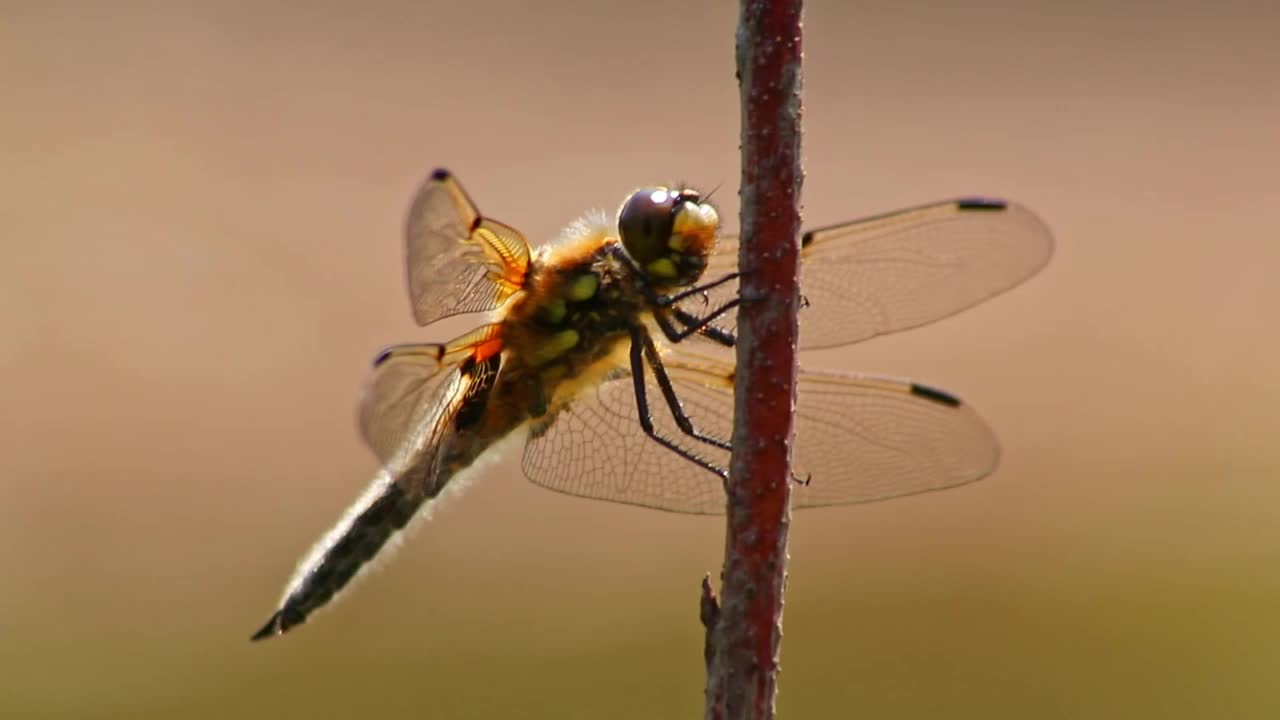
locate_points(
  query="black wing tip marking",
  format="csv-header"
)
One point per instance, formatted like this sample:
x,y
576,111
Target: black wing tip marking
x,y
279,624
385,354
964,204
440,174
941,397
982,204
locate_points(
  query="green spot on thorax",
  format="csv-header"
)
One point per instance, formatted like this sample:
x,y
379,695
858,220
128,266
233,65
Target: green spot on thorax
x,y
553,347
552,310
582,287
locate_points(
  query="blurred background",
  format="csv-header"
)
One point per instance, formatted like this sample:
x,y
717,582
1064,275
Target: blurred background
x,y
201,209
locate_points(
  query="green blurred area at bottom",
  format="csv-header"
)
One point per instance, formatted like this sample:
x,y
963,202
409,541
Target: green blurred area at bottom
x,y
1095,647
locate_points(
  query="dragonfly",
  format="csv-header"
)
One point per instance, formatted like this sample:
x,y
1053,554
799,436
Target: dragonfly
x,y
607,354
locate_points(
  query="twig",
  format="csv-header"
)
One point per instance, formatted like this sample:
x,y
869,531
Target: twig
x,y
745,627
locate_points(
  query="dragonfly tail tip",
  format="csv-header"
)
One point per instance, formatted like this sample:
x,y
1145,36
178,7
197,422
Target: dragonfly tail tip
x,y
275,626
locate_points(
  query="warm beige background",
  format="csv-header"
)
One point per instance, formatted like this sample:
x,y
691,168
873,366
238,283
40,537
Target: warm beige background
x,y
200,206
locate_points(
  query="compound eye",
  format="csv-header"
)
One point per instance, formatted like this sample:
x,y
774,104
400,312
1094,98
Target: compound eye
x,y
645,223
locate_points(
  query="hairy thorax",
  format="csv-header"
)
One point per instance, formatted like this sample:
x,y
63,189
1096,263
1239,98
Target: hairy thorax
x,y
566,332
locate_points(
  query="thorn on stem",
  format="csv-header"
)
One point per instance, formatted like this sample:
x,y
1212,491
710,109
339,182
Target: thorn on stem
x,y
709,613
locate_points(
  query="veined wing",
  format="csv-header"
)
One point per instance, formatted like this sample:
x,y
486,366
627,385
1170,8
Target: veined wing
x,y
859,438
901,269
457,260
407,416
415,391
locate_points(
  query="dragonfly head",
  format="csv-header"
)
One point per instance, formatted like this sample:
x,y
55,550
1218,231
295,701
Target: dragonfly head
x,y
668,233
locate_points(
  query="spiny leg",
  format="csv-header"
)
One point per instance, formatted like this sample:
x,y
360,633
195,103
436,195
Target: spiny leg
x,y
682,420
694,324
677,411
701,325
669,300
639,342
669,393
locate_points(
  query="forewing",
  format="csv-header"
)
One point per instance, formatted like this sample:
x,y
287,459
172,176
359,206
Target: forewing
x,y
858,439
457,260
900,270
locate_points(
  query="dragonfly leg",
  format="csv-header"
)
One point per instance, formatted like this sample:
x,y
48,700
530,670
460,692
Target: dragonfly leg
x,y
694,324
669,393
641,339
640,344
669,300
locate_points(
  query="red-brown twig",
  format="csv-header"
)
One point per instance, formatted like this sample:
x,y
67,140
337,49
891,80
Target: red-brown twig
x,y
745,626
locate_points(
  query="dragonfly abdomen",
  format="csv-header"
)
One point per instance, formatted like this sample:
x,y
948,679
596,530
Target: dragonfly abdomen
x,y
384,509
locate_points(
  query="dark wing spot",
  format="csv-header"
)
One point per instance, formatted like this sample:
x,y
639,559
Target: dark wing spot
x,y
987,204
805,239
386,354
939,396
440,174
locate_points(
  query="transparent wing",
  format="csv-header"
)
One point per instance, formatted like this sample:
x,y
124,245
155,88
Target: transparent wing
x,y
858,439
412,395
457,260
594,448
408,416
863,438
900,270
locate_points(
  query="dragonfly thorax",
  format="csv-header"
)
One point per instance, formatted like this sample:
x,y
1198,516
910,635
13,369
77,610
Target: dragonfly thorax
x,y
668,233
